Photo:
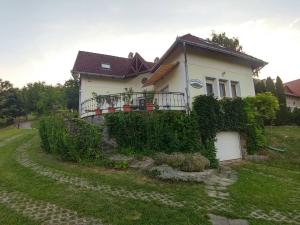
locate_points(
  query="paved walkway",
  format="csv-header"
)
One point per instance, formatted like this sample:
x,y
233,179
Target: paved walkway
x,y
216,185
82,183
219,220
216,188
44,212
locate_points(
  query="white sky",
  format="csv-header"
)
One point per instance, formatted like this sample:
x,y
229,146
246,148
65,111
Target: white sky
x,y
39,40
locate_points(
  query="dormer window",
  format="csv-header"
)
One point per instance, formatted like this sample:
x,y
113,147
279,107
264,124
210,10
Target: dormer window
x,y
105,66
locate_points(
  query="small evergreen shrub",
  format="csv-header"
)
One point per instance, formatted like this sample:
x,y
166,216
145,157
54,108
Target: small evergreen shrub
x,y
71,138
189,162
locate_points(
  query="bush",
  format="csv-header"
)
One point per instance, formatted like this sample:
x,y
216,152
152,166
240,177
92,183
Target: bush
x,y
5,121
296,116
189,162
70,138
159,131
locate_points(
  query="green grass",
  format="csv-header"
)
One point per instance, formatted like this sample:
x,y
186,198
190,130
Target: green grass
x,y
265,185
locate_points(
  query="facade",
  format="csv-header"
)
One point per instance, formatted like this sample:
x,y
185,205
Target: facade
x,y
216,70
292,92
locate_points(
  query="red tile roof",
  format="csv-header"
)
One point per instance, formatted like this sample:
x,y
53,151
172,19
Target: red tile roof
x,y
90,63
292,88
200,42
194,41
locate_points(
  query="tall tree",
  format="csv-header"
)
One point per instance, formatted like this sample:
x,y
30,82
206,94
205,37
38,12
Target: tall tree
x,y
259,86
71,93
280,91
270,86
283,114
221,39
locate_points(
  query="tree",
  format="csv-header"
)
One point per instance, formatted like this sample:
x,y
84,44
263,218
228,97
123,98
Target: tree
x,y
270,86
10,103
280,91
259,86
41,98
283,114
221,39
71,93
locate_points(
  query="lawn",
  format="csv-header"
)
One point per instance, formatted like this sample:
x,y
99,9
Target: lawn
x,y
269,189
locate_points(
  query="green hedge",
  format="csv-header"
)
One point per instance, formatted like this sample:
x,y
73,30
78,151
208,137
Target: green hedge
x,y
70,138
163,131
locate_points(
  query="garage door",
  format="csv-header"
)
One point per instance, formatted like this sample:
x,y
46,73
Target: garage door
x,y
228,146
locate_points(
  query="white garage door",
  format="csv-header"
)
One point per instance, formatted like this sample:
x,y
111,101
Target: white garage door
x,y
228,146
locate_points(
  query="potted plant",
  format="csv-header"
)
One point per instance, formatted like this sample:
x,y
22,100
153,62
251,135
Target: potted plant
x,y
127,98
111,100
100,99
149,96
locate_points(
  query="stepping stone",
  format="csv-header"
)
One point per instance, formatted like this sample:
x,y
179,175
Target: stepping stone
x,y
219,220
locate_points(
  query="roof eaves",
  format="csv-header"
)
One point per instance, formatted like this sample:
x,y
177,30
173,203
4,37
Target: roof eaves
x,y
99,75
165,55
243,56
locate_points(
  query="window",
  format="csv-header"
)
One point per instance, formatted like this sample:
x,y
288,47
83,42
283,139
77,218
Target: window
x,y
233,90
105,66
222,89
209,89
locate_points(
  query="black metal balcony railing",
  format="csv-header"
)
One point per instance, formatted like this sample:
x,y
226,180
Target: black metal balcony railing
x,y
138,101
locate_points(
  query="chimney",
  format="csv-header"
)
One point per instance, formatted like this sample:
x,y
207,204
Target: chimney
x,y
130,55
156,59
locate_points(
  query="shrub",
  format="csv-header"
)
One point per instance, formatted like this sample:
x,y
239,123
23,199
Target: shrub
x,y
163,131
296,116
264,105
70,138
190,162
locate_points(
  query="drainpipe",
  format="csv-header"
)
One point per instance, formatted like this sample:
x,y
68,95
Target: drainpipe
x,y
79,102
187,91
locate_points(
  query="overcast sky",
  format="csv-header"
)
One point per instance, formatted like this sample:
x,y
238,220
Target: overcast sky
x,y
39,40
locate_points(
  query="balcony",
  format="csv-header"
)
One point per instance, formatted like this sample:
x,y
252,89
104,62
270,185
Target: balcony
x,y
133,101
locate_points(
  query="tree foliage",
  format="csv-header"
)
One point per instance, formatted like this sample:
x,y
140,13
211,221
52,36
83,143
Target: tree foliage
x,y
270,86
260,86
10,103
221,39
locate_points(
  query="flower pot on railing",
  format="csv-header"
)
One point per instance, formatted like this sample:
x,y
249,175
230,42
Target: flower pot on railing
x,y
111,109
126,108
149,106
98,112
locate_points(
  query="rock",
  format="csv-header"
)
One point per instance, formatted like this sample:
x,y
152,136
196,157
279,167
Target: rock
x,y
219,220
119,157
142,164
168,173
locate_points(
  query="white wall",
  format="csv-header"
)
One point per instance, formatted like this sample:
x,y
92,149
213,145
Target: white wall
x,y
202,65
292,102
100,85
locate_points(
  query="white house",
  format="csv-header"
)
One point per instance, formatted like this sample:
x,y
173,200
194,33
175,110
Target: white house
x,y
191,66
292,93
220,71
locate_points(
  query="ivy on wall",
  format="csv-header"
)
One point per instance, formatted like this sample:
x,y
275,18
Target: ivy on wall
x,y
163,131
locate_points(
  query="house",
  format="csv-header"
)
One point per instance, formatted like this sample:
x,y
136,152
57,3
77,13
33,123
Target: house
x,y
191,66
292,92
